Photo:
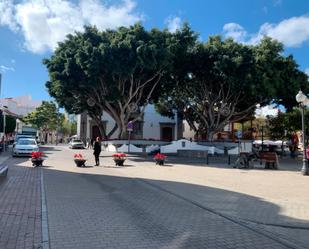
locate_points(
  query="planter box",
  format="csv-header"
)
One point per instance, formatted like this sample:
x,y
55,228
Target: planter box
x,y
159,161
80,162
37,162
119,162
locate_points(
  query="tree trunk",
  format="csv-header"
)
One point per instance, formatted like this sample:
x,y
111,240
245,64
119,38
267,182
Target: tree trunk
x,y
210,134
102,130
122,132
112,131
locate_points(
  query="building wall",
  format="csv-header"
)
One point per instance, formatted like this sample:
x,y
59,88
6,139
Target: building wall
x,y
152,123
188,133
21,105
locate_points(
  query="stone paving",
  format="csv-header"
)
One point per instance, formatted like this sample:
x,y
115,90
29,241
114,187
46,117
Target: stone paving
x,y
181,205
109,206
91,211
20,206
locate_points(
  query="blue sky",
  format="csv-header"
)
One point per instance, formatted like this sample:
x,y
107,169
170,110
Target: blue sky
x,y
30,29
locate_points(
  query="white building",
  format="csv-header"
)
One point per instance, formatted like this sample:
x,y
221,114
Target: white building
x,y
152,126
21,105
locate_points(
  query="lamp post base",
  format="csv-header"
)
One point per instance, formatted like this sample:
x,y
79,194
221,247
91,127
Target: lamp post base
x,y
305,169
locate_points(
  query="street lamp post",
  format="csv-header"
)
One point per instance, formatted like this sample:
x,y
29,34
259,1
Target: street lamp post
x,y
4,124
303,101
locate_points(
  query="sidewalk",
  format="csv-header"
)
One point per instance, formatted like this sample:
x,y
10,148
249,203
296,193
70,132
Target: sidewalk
x,y
20,206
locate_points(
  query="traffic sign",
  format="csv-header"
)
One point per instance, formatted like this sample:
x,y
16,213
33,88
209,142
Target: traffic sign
x,y
130,126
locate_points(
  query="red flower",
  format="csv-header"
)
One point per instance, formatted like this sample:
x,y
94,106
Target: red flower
x,y
78,156
36,155
160,156
119,156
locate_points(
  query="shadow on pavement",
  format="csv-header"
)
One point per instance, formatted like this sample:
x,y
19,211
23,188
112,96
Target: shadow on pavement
x,y
91,210
145,204
285,164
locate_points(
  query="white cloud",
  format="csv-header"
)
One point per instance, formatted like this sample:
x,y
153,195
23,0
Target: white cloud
x,y
43,23
5,68
307,71
264,111
6,14
173,23
292,32
235,31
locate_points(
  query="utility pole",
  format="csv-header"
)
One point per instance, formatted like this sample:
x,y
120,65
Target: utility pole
x,y
3,113
4,121
57,131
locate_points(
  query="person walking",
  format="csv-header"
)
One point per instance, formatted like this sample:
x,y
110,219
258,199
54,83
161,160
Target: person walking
x,y
294,141
97,151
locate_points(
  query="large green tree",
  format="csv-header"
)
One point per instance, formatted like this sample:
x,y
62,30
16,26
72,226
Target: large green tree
x,y
222,81
10,123
45,117
282,125
68,128
117,72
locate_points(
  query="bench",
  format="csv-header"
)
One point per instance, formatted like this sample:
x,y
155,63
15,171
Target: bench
x,y
3,170
270,159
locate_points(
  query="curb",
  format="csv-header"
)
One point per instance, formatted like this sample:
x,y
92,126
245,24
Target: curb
x,y
44,222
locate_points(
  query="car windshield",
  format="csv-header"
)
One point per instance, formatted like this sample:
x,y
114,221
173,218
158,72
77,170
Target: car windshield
x,y
23,137
26,142
77,141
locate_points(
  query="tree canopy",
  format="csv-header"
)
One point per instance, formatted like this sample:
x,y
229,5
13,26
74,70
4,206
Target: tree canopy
x,y
45,117
222,81
284,124
119,72
10,123
115,71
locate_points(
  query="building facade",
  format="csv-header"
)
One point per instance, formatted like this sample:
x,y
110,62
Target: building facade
x,y
152,126
21,105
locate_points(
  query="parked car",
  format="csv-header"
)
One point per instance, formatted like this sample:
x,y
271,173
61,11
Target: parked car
x,y
77,144
19,136
24,147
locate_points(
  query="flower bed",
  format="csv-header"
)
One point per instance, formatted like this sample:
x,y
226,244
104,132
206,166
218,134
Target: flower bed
x,y
160,158
36,158
119,158
79,160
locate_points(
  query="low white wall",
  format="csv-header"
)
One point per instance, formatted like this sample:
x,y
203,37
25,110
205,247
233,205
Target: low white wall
x,y
184,144
133,148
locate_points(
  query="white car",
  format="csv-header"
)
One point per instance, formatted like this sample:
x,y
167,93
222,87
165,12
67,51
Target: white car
x,y
77,144
24,147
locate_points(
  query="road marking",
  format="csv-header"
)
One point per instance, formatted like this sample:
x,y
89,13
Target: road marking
x,y
45,232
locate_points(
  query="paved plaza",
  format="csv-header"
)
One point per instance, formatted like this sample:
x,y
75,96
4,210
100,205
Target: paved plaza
x,y
184,204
